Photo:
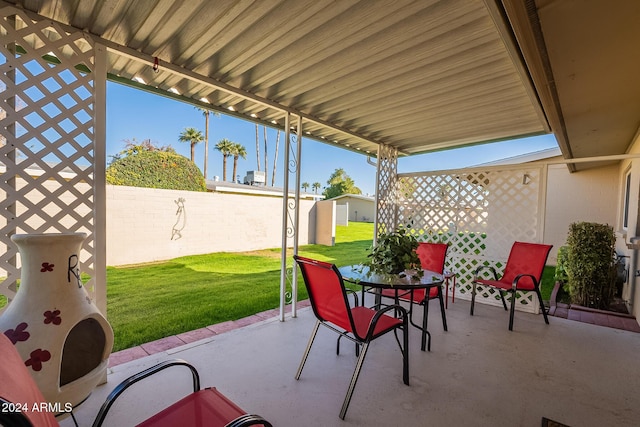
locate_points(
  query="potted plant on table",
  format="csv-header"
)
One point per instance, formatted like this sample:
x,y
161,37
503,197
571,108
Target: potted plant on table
x,y
393,253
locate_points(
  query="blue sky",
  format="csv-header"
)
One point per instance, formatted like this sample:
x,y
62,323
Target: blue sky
x,y
133,113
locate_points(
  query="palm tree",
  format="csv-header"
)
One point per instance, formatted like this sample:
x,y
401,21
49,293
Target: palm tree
x,y
237,150
257,147
266,160
305,186
192,136
206,113
225,147
316,186
275,160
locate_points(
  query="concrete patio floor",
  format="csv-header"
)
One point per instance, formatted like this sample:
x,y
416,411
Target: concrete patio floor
x,y
477,374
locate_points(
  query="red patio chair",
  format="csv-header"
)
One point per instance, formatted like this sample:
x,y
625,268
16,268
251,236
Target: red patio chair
x,y
523,272
362,325
432,257
206,407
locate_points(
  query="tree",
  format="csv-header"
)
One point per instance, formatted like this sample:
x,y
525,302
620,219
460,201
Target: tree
x,y
237,150
131,146
205,113
257,147
305,186
316,186
225,147
340,183
275,160
145,165
266,155
192,136
266,152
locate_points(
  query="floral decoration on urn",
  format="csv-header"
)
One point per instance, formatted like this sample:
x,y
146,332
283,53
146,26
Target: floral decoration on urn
x,y
60,334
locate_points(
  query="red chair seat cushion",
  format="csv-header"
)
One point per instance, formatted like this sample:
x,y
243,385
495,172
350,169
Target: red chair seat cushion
x,y
207,407
418,294
362,318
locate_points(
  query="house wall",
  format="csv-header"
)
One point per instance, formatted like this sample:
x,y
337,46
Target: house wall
x,y
590,195
146,224
359,210
626,237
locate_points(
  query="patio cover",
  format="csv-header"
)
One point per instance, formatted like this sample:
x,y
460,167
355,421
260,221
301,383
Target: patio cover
x,y
387,77
416,75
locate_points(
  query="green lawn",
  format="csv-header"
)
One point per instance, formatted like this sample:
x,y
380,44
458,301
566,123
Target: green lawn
x,y
152,301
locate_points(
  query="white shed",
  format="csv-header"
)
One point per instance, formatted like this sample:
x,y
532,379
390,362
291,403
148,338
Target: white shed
x,y
360,208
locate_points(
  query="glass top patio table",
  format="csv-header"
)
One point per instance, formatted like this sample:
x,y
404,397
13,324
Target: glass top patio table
x,y
405,281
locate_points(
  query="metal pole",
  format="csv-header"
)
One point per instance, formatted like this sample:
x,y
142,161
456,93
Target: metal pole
x,y
285,196
296,221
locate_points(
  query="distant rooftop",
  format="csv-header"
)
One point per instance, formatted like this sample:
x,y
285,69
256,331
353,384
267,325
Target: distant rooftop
x,y
233,187
525,158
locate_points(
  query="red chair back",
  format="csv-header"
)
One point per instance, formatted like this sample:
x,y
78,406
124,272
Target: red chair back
x,y
18,386
432,256
526,258
326,292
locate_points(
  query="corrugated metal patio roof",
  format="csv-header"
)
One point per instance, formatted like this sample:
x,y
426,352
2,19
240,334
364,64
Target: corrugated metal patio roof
x,y
417,75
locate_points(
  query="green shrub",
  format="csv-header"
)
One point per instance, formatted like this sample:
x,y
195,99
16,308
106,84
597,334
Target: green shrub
x,y
156,169
589,265
561,266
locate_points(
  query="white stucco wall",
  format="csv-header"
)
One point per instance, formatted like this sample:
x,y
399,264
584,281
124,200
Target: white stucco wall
x,y
591,195
143,224
326,222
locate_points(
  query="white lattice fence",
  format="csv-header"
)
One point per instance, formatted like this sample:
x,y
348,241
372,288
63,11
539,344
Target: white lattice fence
x,y
47,128
386,191
480,213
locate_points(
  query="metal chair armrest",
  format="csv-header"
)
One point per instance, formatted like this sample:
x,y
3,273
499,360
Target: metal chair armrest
x,y
374,320
477,271
514,285
249,420
124,385
355,295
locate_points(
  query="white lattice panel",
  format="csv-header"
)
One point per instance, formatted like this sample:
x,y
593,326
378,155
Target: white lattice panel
x,y
479,213
386,194
47,136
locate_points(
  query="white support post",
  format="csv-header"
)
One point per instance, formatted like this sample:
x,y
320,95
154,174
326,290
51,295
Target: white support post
x,y
285,196
290,216
294,273
99,179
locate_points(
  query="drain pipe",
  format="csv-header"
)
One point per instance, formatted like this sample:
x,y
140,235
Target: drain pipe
x,y
634,273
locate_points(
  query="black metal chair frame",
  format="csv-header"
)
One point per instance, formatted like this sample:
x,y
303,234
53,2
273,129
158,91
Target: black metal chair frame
x,y
241,421
512,291
424,303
